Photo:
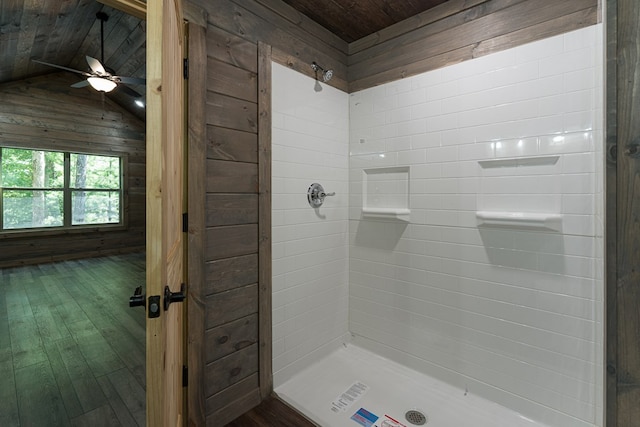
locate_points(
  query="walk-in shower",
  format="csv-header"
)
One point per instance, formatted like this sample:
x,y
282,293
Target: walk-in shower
x,y
457,271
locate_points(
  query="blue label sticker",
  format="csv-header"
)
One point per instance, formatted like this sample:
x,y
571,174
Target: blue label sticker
x,y
364,417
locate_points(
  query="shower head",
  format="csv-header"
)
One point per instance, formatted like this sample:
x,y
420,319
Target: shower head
x,y
326,74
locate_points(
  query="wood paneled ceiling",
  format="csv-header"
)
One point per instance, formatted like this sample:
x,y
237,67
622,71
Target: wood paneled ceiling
x,y
353,19
63,33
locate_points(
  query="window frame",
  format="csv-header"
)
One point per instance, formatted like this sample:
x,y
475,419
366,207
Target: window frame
x,y
67,192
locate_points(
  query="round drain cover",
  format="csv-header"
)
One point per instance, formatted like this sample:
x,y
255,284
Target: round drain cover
x,y
416,418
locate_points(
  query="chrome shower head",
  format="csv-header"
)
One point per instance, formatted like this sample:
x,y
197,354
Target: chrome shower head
x,y
326,74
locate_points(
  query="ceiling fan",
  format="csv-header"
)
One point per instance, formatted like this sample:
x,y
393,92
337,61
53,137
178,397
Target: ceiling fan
x,y
101,78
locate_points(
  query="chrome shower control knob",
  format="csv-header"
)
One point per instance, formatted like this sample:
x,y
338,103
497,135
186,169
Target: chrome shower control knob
x,y
316,195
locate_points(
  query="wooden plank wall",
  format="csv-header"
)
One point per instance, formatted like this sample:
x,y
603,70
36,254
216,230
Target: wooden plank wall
x,y
234,180
237,243
231,237
459,30
231,233
275,23
623,190
611,224
45,113
265,271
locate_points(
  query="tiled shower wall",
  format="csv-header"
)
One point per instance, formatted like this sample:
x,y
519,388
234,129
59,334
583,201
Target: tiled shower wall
x,y
514,315
310,144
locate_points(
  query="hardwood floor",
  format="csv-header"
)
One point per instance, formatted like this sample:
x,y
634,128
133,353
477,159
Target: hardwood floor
x,y
272,412
72,352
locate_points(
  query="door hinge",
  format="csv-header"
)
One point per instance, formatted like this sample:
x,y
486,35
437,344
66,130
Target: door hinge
x,y
185,222
185,68
185,376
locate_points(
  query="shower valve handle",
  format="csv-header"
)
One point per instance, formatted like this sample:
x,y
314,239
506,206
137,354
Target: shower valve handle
x,y
316,195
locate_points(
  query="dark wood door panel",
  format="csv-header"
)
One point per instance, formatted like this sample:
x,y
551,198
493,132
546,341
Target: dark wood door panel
x,y
231,305
233,113
230,80
230,273
220,400
231,144
230,369
231,241
233,336
231,177
231,209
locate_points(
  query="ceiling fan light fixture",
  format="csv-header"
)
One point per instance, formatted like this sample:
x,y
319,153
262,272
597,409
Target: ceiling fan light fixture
x,y
101,84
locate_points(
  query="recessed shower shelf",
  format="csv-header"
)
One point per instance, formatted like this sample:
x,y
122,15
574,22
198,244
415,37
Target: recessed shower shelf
x,y
387,213
520,220
385,193
519,161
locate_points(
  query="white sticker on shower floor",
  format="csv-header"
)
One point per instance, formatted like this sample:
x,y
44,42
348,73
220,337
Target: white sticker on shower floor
x,y
349,397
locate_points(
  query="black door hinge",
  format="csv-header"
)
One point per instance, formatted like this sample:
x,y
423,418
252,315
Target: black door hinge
x,y
185,68
185,376
185,222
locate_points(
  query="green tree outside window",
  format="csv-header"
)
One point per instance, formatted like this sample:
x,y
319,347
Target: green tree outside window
x,y
58,189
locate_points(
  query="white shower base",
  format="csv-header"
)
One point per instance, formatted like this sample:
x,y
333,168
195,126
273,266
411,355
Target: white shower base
x,y
392,389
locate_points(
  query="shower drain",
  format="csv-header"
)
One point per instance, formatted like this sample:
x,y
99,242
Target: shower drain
x,y
416,418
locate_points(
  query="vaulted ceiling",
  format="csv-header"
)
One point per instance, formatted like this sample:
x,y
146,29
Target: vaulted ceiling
x,y
64,32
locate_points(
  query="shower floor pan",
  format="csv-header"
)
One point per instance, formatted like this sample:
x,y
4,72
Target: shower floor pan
x,y
344,388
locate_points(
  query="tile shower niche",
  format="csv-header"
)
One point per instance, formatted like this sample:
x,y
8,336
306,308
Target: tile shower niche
x,y
385,193
512,195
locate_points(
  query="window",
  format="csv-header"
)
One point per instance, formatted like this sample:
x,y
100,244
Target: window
x,y
43,189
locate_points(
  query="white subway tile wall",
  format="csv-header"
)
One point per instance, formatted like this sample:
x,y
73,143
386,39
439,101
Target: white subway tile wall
x,y
310,144
513,315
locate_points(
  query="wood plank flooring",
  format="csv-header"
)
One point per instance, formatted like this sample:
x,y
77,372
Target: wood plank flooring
x,y
72,352
271,413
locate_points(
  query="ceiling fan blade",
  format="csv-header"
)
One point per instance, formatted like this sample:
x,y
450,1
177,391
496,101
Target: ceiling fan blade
x,y
127,90
131,80
61,67
96,66
82,83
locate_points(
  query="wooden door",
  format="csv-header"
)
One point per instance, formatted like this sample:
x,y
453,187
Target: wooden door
x,y
165,244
